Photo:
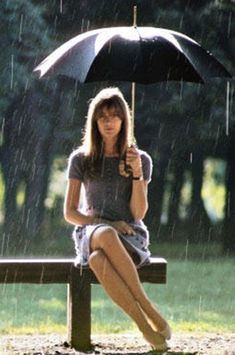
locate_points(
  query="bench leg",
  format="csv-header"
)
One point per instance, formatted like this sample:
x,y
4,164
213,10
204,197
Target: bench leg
x,y
79,313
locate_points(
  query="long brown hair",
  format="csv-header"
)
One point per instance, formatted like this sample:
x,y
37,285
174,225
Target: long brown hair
x,y
92,143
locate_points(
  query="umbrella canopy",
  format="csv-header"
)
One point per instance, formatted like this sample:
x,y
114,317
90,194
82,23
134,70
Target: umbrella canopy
x,y
136,54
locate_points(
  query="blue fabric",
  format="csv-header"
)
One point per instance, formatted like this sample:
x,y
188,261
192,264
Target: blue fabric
x,y
137,243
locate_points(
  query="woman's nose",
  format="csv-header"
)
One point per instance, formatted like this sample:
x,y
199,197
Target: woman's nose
x,y
108,119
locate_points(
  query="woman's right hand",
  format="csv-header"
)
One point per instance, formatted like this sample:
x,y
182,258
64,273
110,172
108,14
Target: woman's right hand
x,y
122,227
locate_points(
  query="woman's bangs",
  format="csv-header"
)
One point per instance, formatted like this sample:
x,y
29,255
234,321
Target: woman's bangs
x,y
98,112
108,104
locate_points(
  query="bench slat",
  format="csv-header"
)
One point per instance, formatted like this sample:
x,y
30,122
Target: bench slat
x,y
62,270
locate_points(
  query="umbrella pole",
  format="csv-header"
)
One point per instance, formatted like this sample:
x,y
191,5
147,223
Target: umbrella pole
x,y
227,108
133,87
135,16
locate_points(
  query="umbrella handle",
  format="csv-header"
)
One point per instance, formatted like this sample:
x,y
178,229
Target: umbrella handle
x,y
133,86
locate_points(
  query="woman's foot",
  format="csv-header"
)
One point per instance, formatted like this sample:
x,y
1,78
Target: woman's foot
x,y
166,332
155,319
157,341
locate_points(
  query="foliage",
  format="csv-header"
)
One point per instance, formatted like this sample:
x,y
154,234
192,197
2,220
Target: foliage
x,y
23,33
1,197
213,191
56,189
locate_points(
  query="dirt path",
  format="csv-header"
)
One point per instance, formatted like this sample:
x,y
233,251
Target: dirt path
x,y
114,344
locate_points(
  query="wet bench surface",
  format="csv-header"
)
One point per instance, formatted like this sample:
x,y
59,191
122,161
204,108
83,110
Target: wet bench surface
x,y
63,271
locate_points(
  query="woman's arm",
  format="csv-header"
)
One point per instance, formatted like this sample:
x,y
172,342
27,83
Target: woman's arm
x,y
74,216
139,196
139,201
71,203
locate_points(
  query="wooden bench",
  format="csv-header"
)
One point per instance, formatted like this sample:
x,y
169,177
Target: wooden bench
x,y
63,271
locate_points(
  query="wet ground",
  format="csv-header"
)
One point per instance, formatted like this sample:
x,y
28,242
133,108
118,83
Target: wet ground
x,y
114,344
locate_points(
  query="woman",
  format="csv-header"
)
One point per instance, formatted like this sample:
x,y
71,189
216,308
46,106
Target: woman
x,y
109,234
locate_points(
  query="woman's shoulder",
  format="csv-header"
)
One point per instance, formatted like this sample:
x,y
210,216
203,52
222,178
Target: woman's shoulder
x,y
77,158
144,155
147,164
77,154
76,165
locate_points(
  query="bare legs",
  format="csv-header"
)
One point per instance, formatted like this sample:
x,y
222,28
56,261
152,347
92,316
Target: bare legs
x,y
120,294
117,273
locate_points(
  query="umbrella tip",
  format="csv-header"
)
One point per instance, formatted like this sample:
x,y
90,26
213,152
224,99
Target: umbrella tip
x,y
38,72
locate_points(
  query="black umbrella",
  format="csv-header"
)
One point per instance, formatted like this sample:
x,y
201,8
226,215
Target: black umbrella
x,y
137,54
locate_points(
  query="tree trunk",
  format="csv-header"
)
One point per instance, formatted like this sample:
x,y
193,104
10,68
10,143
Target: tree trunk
x,y
156,194
26,156
228,231
198,219
173,214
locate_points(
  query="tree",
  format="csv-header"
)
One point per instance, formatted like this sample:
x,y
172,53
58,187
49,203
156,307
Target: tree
x,y
23,29
228,231
23,32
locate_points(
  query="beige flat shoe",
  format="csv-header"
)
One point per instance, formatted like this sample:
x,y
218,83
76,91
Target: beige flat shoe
x,y
166,333
158,343
160,347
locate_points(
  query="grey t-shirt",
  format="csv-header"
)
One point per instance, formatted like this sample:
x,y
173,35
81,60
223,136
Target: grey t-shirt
x,y
107,195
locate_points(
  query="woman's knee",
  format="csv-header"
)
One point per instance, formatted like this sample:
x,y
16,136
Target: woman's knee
x,y
104,237
96,259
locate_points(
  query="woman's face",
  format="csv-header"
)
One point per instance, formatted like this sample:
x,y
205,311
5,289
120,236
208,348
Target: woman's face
x,y
109,123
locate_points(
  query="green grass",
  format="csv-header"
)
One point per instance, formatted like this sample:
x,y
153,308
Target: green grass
x,y
199,296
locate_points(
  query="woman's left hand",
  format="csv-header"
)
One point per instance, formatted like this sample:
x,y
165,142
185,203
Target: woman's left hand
x,y
133,160
122,227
